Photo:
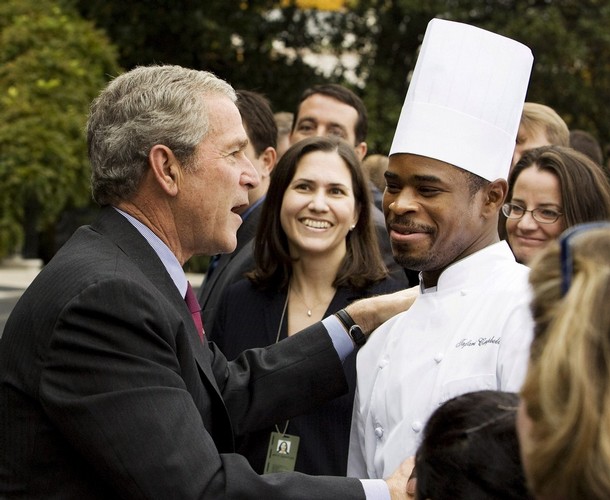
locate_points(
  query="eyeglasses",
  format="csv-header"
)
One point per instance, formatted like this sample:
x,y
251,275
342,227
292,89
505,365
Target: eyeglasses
x,y
542,215
567,259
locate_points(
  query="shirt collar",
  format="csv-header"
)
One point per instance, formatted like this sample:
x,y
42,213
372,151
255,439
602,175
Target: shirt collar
x,y
460,274
167,257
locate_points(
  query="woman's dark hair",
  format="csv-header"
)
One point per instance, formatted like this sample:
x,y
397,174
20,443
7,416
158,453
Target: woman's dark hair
x,y
362,265
470,450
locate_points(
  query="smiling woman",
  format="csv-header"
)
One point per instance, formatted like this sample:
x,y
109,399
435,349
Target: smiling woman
x,y
315,251
319,181
551,189
319,208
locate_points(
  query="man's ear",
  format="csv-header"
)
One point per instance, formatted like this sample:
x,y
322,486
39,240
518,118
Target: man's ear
x,y
269,159
361,150
165,168
495,194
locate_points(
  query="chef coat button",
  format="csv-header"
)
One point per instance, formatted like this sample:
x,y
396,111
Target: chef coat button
x,y
379,432
416,426
439,357
462,293
383,363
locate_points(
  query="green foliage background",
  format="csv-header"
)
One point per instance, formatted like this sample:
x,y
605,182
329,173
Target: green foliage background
x,y
52,63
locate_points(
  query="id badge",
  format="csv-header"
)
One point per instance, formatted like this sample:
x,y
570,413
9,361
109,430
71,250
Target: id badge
x,y
282,453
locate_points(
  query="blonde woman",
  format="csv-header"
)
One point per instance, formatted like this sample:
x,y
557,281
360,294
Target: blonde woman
x,y
564,419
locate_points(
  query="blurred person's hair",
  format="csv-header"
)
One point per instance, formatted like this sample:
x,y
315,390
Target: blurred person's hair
x,y
375,166
537,115
258,120
567,387
470,450
283,121
586,143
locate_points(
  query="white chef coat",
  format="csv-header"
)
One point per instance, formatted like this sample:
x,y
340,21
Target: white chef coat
x,y
472,332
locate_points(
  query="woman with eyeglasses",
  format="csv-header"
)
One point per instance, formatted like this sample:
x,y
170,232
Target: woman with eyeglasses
x,y
550,189
563,422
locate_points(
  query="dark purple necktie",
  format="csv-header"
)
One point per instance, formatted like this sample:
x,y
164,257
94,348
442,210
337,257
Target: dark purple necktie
x,y
193,304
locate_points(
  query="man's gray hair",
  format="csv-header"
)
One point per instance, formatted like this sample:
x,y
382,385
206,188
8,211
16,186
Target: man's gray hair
x,y
146,106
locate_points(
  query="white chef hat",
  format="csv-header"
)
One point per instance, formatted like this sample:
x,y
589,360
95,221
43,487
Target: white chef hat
x,y
465,99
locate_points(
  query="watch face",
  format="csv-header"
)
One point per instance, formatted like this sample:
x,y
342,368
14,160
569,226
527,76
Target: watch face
x,y
359,338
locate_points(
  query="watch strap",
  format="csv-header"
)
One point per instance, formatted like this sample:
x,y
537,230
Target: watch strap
x,y
353,330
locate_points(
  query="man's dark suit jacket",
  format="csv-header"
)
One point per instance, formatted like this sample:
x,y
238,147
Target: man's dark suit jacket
x,y
106,390
324,431
231,267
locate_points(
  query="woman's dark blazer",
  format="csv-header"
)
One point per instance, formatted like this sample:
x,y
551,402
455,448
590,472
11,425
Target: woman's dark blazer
x,y
248,317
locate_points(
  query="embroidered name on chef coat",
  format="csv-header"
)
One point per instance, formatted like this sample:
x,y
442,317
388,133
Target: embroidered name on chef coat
x,y
480,342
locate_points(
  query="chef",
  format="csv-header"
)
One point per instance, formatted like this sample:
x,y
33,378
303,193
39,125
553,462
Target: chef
x,y
471,327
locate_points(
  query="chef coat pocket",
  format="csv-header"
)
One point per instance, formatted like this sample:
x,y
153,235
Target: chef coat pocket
x,y
460,386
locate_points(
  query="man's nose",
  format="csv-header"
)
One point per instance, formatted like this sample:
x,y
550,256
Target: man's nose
x,y
404,201
250,177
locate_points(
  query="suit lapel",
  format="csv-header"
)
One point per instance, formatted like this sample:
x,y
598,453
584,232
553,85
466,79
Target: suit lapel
x,y
118,229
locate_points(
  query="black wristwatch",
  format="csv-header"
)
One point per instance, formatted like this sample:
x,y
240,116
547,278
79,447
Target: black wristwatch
x,y
353,330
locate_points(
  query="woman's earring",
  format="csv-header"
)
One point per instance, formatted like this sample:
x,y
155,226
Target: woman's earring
x,y
352,227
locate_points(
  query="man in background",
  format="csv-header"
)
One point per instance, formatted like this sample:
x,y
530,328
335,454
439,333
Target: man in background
x,y
224,269
283,120
375,167
540,125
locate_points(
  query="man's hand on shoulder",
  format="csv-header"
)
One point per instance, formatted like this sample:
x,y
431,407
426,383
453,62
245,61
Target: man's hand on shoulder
x,y
371,312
